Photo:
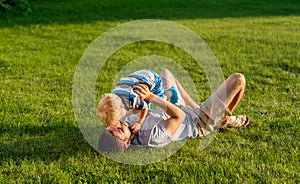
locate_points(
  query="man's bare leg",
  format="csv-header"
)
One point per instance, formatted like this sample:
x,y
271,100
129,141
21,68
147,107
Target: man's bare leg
x,y
230,93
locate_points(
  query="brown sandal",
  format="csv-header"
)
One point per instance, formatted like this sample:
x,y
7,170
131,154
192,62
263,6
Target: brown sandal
x,y
238,122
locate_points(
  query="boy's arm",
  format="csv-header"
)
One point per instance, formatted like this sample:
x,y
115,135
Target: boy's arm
x,y
176,114
141,116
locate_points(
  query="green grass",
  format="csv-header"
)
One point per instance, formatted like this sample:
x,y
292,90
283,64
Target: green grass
x,y
40,140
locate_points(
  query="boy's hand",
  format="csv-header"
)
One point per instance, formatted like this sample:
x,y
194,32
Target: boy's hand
x,y
143,91
135,127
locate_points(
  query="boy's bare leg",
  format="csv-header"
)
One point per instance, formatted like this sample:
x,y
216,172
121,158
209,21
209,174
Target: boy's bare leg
x,y
169,80
186,97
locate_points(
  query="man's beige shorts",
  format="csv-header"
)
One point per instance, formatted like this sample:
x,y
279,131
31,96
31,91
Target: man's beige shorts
x,y
211,113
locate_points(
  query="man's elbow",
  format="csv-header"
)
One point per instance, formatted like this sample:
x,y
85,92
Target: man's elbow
x,y
181,116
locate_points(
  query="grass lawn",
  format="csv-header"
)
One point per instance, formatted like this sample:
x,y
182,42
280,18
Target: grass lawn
x,y
39,52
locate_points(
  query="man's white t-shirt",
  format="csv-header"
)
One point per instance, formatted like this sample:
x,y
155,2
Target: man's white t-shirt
x,y
154,134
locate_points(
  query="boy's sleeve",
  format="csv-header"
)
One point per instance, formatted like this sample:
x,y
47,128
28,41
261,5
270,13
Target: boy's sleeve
x,y
137,103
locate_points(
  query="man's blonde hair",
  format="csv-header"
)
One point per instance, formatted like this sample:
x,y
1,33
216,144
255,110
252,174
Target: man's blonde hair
x,y
110,109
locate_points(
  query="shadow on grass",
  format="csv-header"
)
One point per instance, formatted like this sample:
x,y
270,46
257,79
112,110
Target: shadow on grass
x,y
42,143
77,11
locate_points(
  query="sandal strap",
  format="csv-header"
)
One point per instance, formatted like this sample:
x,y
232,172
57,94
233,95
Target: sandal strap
x,y
227,113
238,119
225,118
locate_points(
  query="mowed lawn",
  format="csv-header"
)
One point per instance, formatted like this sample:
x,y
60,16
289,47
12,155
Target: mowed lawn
x,y
39,52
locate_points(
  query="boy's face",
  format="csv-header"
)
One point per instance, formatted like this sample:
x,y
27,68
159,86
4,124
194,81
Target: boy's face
x,y
120,131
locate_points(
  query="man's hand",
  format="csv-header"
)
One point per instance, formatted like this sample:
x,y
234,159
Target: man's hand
x,y
143,91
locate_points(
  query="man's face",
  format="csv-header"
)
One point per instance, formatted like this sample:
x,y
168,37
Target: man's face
x,y
120,131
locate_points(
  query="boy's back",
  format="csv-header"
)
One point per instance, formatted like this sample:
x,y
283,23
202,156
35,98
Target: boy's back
x,y
124,87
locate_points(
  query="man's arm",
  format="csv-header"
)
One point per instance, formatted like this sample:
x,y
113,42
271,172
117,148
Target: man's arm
x,y
176,114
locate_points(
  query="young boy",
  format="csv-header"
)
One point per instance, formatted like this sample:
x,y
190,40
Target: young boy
x,y
122,101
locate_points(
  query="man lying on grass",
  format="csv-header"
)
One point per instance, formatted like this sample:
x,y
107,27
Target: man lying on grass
x,y
184,120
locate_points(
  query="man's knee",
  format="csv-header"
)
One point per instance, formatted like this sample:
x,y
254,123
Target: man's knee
x,y
238,78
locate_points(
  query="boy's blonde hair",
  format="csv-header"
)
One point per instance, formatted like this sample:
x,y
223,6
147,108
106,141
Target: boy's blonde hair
x,y
111,109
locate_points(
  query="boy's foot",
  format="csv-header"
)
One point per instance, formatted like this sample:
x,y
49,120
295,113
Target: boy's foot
x,y
174,97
